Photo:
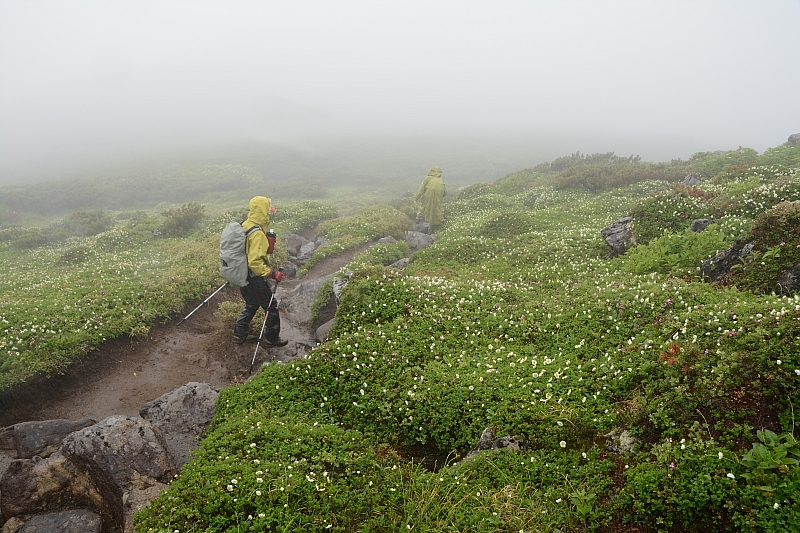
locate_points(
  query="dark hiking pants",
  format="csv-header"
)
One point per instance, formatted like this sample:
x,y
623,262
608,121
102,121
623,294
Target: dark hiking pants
x,y
257,294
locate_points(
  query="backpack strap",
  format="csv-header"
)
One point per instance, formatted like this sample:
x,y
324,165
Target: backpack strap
x,y
251,230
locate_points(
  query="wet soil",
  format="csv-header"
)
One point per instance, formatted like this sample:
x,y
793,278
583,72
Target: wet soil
x,y
124,374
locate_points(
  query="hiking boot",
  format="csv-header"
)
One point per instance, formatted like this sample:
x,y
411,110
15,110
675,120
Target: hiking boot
x,y
276,343
249,338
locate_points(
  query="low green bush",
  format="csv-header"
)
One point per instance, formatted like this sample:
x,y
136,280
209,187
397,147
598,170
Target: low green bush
x,y
182,220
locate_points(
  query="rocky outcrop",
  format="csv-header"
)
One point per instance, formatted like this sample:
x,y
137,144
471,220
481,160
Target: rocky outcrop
x,y
721,264
109,470
618,235
794,139
182,415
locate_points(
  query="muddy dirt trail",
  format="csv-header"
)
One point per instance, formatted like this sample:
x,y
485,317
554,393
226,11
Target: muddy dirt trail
x,y
124,374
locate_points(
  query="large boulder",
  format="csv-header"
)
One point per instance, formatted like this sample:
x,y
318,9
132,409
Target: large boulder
x,y
181,416
294,242
118,451
41,438
618,235
794,139
417,240
36,486
296,303
306,251
721,264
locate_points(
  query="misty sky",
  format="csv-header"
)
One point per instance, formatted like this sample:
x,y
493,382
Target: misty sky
x,y
83,80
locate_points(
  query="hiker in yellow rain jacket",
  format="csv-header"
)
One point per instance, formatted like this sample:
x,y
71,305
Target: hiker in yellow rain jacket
x,y
430,195
257,293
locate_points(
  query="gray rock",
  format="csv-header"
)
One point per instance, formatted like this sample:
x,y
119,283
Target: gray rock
x,y
622,442
789,281
321,241
296,303
306,251
618,234
290,269
721,264
401,264
387,240
485,442
322,332
700,225
294,242
49,485
691,180
182,415
339,283
75,521
515,443
488,441
794,139
418,241
422,227
43,438
117,451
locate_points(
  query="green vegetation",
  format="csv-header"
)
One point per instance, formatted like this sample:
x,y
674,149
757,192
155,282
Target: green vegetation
x,y
93,276
516,319
345,233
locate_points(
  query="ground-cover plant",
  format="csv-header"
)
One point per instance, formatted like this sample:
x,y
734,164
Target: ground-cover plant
x,y
60,301
304,215
513,320
366,225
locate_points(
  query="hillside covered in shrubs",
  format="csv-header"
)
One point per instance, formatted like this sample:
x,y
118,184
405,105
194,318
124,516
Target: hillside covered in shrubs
x,y
518,376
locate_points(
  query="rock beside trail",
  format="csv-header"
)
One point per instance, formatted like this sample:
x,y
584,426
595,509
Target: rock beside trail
x,y
40,438
417,240
322,332
181,416
110,469
30,487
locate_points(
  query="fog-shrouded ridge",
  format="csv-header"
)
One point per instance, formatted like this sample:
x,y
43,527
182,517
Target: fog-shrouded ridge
x,y
88,85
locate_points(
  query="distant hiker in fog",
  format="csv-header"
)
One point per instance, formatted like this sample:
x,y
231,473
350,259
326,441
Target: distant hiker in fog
x,y
258,293
430,195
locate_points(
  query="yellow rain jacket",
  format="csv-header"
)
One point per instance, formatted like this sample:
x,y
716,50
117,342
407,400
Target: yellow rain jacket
x,y
257,243
430,194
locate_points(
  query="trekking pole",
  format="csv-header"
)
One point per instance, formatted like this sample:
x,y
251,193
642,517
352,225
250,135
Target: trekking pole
x,y
263,326
202,304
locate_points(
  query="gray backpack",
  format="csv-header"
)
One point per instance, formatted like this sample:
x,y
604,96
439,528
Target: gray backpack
x,y
233,253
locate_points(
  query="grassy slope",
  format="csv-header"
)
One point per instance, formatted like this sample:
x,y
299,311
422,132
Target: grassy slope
x,y
517,320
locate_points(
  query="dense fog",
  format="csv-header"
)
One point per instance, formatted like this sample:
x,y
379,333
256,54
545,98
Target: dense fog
x,y
87,85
